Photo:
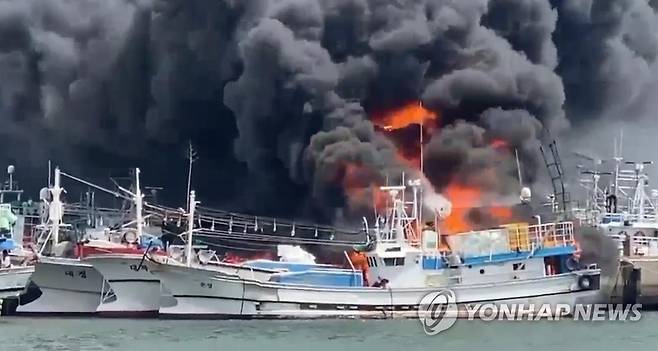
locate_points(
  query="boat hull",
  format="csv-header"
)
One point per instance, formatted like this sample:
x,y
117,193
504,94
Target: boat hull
x,y
203,294
14,280
136,292
66,286
187,287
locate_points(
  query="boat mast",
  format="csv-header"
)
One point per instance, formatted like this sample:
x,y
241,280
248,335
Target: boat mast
x,y
138,198
190,227
518,167
55,208
10,171
618,158
11,189
640,197
191,156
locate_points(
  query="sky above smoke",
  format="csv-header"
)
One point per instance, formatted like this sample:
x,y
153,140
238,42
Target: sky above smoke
x,y
277,95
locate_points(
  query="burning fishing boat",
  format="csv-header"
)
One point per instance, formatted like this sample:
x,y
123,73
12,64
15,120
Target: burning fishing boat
x,y
405,259
519,262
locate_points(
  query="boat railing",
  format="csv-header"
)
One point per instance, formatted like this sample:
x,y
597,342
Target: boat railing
x,y
644,246
621,218
79,210
647,217
227,225
537,236
26,209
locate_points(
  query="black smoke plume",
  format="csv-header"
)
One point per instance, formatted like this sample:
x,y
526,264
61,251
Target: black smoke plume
x,y
276,95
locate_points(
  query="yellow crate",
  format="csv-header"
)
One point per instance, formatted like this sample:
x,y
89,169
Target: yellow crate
x,y
518,236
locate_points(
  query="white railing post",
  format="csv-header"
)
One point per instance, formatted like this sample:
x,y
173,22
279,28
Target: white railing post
x,y
539,229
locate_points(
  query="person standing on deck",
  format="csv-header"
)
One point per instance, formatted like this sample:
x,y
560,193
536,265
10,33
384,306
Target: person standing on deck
x,y
6,261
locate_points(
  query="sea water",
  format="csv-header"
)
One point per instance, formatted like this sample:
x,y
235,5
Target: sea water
x,y
18,333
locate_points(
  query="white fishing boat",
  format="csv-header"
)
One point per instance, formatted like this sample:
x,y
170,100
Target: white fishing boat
x,y
514,263
13,224
128,288
71,283
63,286
626,210
135,289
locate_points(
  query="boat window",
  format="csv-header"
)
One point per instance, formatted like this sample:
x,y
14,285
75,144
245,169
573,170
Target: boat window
x,y
372,262
482,271
518,266
394,261
611,218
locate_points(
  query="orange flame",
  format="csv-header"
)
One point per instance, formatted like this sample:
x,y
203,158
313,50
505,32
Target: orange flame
x,y
233,257
413,113
499,144
466,198
463,198
410,114
499,212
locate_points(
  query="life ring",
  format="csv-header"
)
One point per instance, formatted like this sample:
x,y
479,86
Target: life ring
x,y
130,236
572,264
585,282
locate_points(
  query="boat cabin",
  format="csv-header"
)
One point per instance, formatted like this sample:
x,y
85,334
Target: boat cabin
x,y
513,251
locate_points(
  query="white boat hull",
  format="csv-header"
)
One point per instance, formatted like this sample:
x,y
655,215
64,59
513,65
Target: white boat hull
x,y
202,293
190,299
136,292
14,280
67,286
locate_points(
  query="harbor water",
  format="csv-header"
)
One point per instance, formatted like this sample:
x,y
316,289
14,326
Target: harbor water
x,y
318,335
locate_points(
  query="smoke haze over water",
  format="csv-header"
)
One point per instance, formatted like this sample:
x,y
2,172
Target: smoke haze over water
x,y
278,95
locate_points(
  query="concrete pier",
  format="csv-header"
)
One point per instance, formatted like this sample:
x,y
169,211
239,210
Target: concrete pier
x,y
637,282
